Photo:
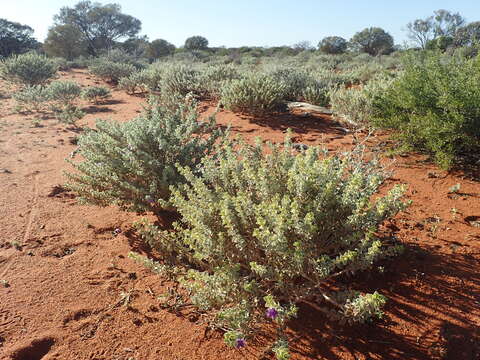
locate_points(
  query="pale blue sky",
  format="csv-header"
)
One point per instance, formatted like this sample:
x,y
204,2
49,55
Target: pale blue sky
x,y
252,22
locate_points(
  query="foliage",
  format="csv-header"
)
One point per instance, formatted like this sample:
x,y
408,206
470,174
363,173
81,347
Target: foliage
x,y
179,79
64,92
28,69
69,114
65,41
134,83
100,25
133,164
293,80
95,93
333,45
159,48
32,98
15,38
256,93
434,104
212,79
271,231
355,106
373,41
468,35
111,71
196,43
316,93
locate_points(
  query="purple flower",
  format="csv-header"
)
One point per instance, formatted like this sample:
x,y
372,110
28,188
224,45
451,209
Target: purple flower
x,y
240,343
149,199
272,313
117,231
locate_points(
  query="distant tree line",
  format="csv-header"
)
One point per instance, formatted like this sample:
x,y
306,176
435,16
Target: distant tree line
x,y
90,29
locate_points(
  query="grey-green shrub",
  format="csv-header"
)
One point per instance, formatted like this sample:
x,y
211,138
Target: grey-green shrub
x,y
28,69
269,231
135,82
111,71
356,106
294,81
256,93
316,93
69,114
133,164
64,92
32,98
212,79
95,93
179,79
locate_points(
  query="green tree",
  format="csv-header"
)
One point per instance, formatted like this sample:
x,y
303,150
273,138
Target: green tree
x,y
468,35
373,41
333,45
100,25
159,48
15,38
196,43
65,41
136,46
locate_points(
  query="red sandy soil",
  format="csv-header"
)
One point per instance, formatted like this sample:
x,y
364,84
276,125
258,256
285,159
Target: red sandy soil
x,y
68,270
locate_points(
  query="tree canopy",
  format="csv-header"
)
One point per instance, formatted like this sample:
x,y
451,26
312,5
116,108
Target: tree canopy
x,y
373,41
333,45
101,25
15,38
196,43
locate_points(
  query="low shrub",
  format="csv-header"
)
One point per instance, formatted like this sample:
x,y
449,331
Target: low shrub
x,y
180,79
133,164
69,114
64,93
256,93
28,69
95,94
293,80
111,71
260,234
434,104
31,98
316,93
355,106
135,83
212,79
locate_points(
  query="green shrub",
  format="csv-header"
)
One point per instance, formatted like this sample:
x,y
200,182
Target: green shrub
x,y
435,106
32,98
62,64
132,164
95,93
28,69
64,92
256,94
111,71
69,114
267,232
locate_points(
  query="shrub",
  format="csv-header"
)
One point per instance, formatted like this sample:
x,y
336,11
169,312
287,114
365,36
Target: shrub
x,y
69,115
28,69
30,98
133,164
212,79
95,93
267,232
316,93
256,94
64,92
294,81
356,105
179,79
134,83
111,71
434,105
62,64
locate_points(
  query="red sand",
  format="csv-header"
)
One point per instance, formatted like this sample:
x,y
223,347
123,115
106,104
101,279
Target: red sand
x,y
68,274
